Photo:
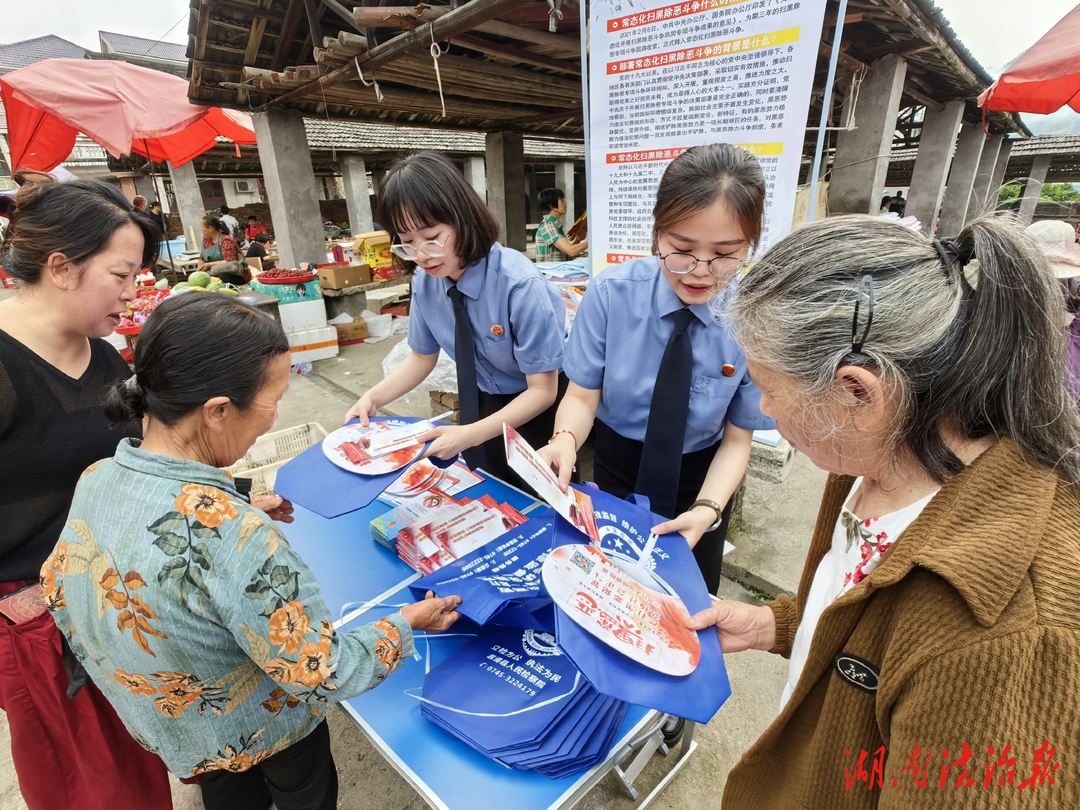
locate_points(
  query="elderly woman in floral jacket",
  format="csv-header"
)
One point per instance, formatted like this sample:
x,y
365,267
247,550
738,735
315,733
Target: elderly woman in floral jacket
x,y
186,605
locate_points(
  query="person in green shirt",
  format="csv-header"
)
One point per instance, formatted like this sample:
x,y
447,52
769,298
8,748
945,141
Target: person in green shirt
x,y
552,245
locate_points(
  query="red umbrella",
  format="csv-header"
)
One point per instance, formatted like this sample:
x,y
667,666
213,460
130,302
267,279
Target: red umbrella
x,y
1046,77
123,107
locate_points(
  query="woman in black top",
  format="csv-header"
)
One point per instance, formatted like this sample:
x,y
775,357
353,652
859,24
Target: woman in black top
x,y
76,247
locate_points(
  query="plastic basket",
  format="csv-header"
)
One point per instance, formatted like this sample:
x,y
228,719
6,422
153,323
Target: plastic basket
x,y
271,451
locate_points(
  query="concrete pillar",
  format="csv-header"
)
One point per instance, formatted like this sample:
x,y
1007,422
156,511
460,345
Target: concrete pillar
x,y
532,205
862,155
987,167
965,165
505,163
1033,188
189,201
564,179
936,146
290,186
998,176
354,178
475,176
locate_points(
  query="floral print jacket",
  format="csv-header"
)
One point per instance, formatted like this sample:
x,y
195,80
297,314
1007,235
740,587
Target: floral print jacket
x,y
195,618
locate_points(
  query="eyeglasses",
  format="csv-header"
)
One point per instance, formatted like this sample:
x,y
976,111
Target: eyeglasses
x,y
865,291
432,248
682,263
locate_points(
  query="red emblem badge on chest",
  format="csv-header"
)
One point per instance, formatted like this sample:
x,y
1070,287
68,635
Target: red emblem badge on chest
x,y
727,370
497,330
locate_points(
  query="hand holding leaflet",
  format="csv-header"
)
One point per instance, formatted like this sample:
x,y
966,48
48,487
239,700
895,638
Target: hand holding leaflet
x,y
573,505
379,444
648,626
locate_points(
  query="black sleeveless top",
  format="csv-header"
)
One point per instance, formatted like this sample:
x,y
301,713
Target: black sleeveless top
x,y
52,427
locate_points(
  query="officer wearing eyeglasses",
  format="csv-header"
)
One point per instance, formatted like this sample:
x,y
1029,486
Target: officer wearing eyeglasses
x,y
660,382
508,340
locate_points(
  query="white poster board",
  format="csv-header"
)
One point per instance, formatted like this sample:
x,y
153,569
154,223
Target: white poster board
x,y
665,77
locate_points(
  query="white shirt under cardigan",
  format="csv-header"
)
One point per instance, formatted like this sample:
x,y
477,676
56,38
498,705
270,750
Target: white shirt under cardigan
x,y
857,547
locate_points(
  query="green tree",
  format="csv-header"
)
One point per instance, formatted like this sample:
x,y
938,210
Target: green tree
x,y
1006,193
1059,192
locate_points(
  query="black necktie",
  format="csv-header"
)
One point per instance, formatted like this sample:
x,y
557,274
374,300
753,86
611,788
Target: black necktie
x,y
465,359
661,456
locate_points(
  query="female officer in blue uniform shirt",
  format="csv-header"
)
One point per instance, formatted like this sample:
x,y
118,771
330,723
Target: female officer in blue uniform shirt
x,y
516,318
707,218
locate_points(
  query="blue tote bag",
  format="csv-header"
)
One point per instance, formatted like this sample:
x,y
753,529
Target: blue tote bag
x,y
624,529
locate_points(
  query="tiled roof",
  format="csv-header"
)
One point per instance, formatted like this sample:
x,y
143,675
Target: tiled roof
x,y
1039,145
1048,145
361,137
138,46
20,54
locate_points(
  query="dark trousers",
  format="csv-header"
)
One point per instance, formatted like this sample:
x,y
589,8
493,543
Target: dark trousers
x,y
615,470
302,777
536,432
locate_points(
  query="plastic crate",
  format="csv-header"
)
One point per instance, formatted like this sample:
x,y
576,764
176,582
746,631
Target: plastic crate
x,y
271,451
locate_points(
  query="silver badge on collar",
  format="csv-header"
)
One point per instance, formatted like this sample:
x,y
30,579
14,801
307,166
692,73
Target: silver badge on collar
x,y
858,672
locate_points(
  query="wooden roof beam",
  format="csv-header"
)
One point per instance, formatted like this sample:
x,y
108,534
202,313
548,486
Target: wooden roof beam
x,y
903,48
456,22
399,16
928,31
314,26
507,52
925,100
246,9
288,32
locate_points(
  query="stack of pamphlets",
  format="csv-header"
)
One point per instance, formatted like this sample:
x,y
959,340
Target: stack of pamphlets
x,y
429,532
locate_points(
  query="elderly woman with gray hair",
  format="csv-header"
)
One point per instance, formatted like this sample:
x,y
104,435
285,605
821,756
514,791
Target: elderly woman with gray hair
x,y
934,640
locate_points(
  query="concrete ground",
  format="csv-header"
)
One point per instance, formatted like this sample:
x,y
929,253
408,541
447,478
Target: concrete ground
x,y
768,560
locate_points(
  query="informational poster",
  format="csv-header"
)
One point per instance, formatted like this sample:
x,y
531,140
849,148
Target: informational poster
x,y
665,77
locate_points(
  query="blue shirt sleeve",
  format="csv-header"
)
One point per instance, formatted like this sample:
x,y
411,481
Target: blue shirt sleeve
x,y
744,411
586,349
421,339
536,327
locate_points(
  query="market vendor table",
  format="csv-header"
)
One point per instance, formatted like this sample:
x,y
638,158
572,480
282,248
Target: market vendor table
x,y
362,581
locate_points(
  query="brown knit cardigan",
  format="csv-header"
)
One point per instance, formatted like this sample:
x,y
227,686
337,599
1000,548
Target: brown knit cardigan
x,y
970,627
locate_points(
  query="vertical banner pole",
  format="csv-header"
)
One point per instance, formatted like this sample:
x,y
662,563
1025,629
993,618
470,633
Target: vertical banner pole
x,y
584,9
826,101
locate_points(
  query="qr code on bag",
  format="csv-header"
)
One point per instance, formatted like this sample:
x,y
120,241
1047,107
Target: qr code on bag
x,y
582,562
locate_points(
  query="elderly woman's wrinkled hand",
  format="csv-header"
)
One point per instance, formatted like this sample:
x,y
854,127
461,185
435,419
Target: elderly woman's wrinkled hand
x,y
740,626
275,506
432,614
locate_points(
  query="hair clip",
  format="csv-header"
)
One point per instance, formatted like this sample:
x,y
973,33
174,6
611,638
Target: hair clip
x,y
866,288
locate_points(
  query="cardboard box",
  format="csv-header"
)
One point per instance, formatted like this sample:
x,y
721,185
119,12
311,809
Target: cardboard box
x,y
349,333
374,247
340,276
300,315
312,344
289,293
387,272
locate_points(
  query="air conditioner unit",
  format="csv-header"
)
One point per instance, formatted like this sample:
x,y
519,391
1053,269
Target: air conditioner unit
x,y
244,186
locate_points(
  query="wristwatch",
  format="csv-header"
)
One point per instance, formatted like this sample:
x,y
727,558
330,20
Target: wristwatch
x,y
715,507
